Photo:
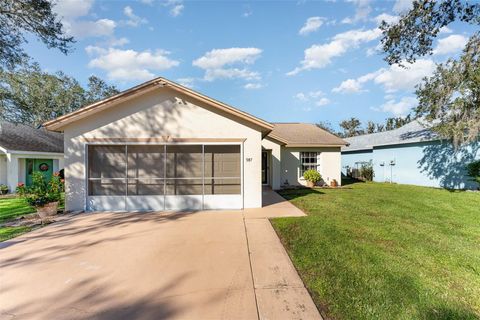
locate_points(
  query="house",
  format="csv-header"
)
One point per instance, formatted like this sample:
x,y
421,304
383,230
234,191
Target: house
x,y
162,146
24,150
412,154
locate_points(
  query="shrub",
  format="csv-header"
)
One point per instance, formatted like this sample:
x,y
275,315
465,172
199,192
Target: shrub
x,y
41,191
473,170
312,175
366,171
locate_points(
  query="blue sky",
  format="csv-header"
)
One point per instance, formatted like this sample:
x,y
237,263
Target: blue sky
x,y
280,60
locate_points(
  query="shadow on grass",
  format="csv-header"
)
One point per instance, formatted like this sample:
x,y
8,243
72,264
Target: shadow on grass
x,y
290,194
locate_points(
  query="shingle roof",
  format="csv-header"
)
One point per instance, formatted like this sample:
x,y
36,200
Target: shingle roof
x,y
24,138
412,132
303,135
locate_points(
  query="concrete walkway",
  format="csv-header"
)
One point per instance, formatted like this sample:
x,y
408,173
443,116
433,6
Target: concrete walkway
x,y
202,265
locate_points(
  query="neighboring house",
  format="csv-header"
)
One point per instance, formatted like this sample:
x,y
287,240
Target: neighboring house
x,y
162,146
24,150
412,154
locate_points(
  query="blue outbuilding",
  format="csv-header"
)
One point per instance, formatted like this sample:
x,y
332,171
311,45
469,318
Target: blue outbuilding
x,y
412,154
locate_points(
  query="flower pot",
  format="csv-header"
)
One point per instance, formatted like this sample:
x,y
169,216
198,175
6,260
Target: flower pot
x,y
49,209
310,184
4,191
334,183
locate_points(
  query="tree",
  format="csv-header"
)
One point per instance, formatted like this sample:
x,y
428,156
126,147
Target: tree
x,y
327,126
371,127
32,96
98,89
452,109
351,127
18,17
450,99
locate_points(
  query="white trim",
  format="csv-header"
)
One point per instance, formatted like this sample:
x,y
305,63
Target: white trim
x,y
33,152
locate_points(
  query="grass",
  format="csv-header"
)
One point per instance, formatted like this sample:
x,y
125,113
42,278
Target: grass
x,y
10,208
383,251
12,232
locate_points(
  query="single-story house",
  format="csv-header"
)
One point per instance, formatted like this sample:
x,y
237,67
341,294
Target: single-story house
x,y
162,146
24,150
411,154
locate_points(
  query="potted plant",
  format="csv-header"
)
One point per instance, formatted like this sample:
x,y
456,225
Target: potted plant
x,y
42,194
3,189
312,177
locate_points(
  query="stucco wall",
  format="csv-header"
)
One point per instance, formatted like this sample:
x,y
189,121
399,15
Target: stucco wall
x,y
275,162
431,164
329,159
159,113
3,169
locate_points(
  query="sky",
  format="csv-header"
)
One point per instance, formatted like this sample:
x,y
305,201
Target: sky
x,y
283,61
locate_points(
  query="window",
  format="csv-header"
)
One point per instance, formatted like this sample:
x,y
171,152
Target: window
x,y
308,160
222,169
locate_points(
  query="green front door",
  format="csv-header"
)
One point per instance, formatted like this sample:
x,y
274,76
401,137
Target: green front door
x,y
45,166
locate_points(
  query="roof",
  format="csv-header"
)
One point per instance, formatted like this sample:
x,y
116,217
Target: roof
x,y
304,135
19,137
412,132
59,123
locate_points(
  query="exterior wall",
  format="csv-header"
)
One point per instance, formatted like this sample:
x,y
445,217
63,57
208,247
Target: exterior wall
x,y
329,160
15,165
3,169
275,162
159,113
430,164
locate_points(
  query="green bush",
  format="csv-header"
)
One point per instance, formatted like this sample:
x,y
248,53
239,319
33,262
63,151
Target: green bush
x,y
473,170
41,191
366,171
312,176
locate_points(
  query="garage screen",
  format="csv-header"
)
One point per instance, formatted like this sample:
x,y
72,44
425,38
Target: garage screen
x,y
159,177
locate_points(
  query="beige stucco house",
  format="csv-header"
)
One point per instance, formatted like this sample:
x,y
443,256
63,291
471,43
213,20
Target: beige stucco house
x,y
24,150
162,146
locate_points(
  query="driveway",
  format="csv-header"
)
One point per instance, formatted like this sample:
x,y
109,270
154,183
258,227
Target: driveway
x,y
208,265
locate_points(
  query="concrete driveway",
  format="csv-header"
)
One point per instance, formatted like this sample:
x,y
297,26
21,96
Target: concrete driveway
x,y
201,265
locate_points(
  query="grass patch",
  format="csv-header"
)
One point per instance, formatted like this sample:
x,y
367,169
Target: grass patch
x,y
12,232
10,208
383,251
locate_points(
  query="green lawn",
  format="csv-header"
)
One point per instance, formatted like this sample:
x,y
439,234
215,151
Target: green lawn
x,y
382,251
11,232
10,208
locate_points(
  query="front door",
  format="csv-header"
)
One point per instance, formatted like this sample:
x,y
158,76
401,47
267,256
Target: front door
x,y
265,167
45,166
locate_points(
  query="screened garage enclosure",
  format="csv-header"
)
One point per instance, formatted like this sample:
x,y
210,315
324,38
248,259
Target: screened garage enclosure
x,y
145,177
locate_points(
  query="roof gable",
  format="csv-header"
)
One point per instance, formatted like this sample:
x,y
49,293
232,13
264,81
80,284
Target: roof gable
x,y
59,123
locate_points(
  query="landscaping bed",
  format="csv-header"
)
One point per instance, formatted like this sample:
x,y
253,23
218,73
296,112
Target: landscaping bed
x,y
385,251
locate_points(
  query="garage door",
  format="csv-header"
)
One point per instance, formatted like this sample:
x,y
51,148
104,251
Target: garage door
x,y
143,177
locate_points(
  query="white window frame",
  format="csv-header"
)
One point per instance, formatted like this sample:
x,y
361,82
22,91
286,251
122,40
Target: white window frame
x,y
312,165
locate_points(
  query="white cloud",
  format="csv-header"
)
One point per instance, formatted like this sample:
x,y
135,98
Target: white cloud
x,y
317,97
319,56
323,101
253,86
186,82
401,6
149,2
445,29
69,9
133,19
72,12
362,10
311,25
126,65
176,7
393,79
224,63
387,18
398,108
450,44
114,42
